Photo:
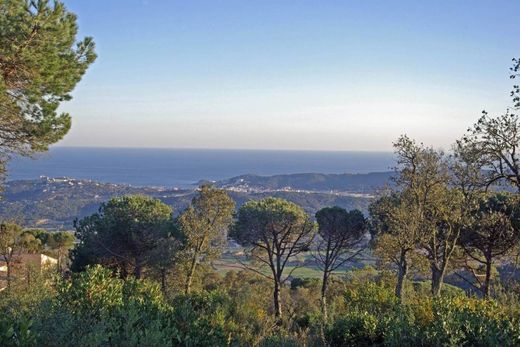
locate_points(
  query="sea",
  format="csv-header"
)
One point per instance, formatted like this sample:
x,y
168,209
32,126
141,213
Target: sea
x,y
184,168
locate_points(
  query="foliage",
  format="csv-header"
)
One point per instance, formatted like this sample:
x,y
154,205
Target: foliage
x,y
123,234
40,64
422,322
95,308
203,226
492,232
276,230
13,242
339,232
396,230
515,73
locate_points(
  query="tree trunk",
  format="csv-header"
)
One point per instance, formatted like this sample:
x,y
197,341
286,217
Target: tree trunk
x,y
324,287
163,281
59,261
124,270
437,280
277,303
138,268
401,275
191,273
487,282
8,264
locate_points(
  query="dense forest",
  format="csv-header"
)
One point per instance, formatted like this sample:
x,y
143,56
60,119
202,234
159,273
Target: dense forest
x,y
136,272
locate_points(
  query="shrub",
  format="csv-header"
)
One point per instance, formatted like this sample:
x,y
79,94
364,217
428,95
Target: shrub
x,y
94,309
355,329
375,318
371,297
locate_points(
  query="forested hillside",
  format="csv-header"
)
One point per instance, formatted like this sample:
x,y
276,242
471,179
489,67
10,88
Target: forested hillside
x,y
56,202
309,259
354,183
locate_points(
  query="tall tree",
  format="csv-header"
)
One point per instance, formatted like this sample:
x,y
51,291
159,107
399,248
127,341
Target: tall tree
x,y
275,230
493,231
339,232
123,234
204,227
424,173
164,257
395,225
41,62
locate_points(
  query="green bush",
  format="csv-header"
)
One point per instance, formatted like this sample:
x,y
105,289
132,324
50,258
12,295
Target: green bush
x,y
374,317
355,329
371,297
279,340
472,322
16,332
94,308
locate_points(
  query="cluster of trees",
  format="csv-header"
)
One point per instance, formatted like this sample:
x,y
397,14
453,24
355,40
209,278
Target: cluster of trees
x,y
458,211
439,212
138,236
15,241
442,216
445,214
142,275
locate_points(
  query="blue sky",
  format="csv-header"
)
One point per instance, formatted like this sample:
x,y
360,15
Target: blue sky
x,y
323,75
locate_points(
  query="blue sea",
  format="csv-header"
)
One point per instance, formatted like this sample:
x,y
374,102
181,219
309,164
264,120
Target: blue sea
x,y
184,167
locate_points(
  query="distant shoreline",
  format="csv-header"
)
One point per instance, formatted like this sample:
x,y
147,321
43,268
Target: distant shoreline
x,y
221,149
184,168
54,203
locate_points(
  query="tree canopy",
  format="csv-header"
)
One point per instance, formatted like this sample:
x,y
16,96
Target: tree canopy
x,y
41,61
275,230
203,227
339,231
123,234
493,230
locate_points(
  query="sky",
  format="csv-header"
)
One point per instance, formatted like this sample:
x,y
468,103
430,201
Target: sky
x,y
306,75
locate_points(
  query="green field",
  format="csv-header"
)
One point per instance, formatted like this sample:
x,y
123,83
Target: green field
x,y
305,265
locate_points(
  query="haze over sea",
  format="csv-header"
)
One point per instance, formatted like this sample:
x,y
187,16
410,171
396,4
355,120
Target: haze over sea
x,y
184,167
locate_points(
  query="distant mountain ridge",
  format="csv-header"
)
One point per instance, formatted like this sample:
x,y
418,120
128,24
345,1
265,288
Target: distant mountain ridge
x,y
356,183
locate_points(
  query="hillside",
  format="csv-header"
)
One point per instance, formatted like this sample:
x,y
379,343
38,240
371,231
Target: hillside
x,y
353,183
56,202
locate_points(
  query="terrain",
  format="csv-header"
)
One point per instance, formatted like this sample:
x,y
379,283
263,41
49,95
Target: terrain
x,y
55,203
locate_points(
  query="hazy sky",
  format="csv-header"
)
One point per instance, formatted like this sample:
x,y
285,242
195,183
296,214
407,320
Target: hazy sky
x,y
326,75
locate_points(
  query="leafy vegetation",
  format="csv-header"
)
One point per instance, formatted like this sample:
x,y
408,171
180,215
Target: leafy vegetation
x,y
94,308
142,275
41,62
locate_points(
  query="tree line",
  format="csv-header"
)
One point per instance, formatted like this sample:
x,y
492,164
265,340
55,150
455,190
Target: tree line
x,y
447,213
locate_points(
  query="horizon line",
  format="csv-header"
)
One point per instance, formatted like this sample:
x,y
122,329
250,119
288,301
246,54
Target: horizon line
x,y
225,149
